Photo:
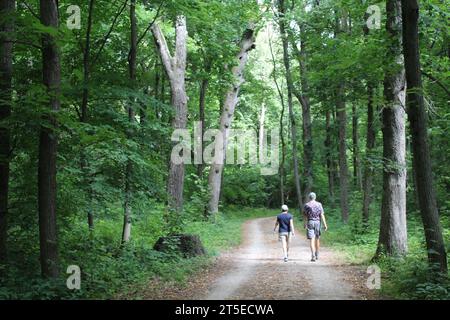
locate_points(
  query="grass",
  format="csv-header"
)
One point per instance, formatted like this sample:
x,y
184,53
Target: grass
x,y
401,278
109,269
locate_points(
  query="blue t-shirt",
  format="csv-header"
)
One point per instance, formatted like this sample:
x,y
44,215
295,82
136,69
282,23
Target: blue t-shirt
x,y
284,220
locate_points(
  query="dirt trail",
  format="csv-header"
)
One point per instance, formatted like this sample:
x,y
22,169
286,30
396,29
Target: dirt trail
x,y
256,270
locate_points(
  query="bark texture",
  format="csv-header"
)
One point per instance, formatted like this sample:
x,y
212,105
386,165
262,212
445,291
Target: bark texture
x,y
7,7
393,237
175,68
48,144
229,106
290,87
417,116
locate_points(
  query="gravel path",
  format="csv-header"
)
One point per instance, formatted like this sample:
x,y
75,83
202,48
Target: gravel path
x,y
256,270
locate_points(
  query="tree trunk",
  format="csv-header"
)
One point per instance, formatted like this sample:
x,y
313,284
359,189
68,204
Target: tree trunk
x,y
84,112
48,144
343,168
370,144
341,116
202,101
231,99
303,98
175,68
328,156
421,151
126,231
290,87
283,143
283,155
356,163
7,7
393,236
261,142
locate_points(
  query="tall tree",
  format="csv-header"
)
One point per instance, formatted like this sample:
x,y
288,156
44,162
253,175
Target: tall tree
x,y
51,70
303,98
393,238
175,68
227,112
328,155
418,125
126,230
7,10
290,89
370,144
204,83
341,113
281,122
355,152
84,111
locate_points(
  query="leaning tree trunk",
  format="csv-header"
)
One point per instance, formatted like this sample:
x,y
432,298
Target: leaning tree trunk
x,y
48,143
126,230
421,151
7,7
290,87
175,69
393,236
231,99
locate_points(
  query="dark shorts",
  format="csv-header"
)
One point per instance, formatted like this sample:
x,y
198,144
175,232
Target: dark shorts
x,y
313,229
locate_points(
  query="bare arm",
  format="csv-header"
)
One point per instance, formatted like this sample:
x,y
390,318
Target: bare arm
x,y
276,225
322,215
304,219
292,227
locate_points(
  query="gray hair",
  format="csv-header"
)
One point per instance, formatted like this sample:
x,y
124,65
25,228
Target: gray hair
x,y
312,196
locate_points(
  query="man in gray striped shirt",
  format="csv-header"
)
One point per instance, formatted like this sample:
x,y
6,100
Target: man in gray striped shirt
x,y
312,214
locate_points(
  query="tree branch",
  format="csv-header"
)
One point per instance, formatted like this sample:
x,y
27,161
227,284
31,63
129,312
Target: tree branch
x,y
151,23
163,49
31,10
106,37
439,83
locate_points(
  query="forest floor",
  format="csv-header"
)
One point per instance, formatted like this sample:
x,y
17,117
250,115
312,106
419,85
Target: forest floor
x,y
255,270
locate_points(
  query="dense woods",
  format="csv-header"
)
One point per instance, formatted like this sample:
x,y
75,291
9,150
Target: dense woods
x,y
93,93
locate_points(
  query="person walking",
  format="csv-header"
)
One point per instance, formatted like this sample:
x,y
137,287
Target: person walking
x,y
312,215
285,224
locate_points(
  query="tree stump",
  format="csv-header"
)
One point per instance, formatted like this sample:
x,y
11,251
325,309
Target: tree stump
x,y
187,244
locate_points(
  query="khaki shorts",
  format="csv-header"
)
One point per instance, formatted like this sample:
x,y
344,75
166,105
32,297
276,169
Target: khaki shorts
x,y
313,229
286,235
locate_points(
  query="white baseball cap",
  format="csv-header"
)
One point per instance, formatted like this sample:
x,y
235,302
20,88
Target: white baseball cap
x,y
284,207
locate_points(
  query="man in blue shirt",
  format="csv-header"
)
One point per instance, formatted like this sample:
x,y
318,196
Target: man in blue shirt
x,y
285,224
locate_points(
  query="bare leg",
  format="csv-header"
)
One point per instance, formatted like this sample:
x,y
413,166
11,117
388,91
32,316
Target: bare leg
x,y
317,247
313,249
287,245
284,243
